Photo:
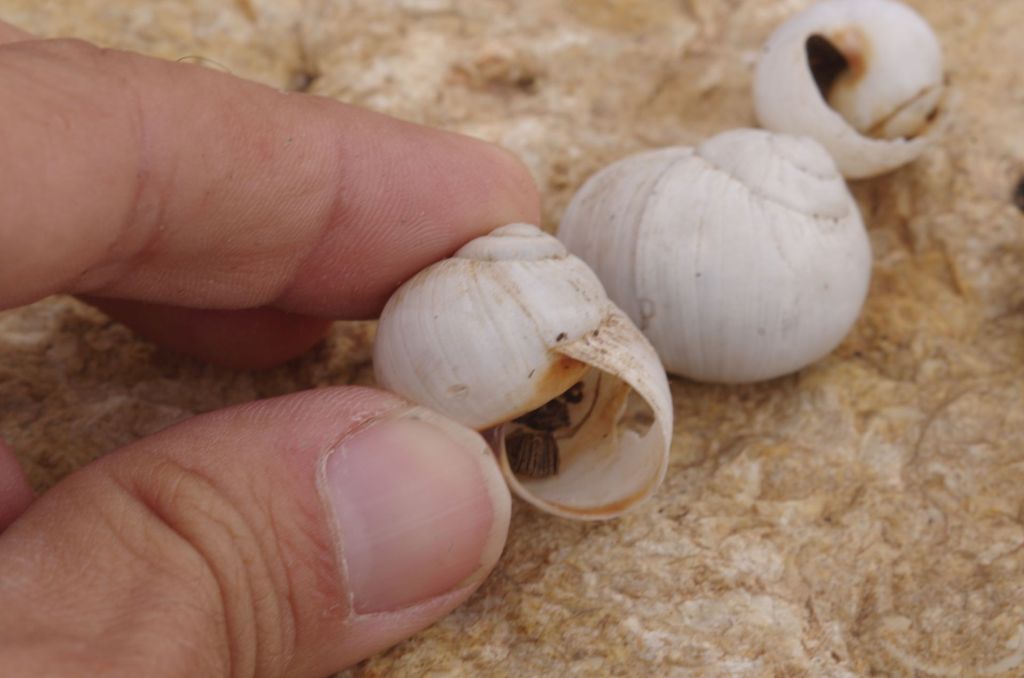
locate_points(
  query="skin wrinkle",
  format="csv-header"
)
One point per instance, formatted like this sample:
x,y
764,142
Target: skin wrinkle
x,y
346,214
373,406
223,279
55,55
114,502
208,570
129,224
324,573
285,258
155,198
113,519
340,217
418,235
143,182
263,598
280,595
282,539
343,211
149,250
335,213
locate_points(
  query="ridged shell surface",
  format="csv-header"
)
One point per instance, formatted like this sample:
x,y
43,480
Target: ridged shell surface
x,y
742,259
510,323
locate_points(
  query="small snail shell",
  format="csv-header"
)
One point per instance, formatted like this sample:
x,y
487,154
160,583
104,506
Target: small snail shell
x,y
742,259
862,77
513,327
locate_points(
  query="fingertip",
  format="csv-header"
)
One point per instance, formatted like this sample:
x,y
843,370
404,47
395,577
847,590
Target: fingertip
x,y
422,515
11,34
514,183
399,196
420,507
292,536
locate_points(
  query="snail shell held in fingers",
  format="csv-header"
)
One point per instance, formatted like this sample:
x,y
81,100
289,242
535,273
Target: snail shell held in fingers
x,y
516,337
742,259
862,77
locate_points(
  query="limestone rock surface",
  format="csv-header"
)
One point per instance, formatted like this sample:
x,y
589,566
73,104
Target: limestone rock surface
x,y
863,517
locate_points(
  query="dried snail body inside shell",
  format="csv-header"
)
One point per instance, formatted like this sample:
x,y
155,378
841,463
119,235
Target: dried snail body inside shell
x,y
863,77
515,337
742,259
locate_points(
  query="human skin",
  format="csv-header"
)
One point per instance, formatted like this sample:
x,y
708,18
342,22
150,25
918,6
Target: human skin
x,y
289,537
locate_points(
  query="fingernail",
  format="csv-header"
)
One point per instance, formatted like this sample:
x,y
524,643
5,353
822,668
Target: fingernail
x,y
420,510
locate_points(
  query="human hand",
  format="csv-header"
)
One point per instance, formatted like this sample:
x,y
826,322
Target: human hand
x,y
287,537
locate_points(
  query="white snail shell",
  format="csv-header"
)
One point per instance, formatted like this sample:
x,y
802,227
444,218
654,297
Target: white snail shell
x,y
875,88
511,322
742,259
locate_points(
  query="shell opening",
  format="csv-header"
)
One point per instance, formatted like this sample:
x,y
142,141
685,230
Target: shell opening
x,y
839,62
574,451
827,63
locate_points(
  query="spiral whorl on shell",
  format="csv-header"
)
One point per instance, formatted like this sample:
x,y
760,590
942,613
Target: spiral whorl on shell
x,y
503,329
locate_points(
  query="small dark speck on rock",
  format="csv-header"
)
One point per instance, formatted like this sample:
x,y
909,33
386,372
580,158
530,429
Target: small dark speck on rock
x,y
1018,195
561,336
527,84
302,80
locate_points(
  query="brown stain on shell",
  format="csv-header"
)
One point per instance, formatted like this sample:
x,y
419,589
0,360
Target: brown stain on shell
x,y
856,49
838,59
561,375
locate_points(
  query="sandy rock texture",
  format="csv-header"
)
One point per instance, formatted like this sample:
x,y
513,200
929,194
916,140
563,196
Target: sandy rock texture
x,y
863,517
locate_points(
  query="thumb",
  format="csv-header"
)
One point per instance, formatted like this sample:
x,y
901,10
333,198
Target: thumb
x,y
288,537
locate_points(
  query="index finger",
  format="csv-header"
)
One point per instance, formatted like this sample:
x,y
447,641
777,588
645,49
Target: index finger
x,y
9,33
129,177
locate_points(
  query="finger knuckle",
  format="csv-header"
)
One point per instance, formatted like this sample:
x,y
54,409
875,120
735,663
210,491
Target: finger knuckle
x,y
231,558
